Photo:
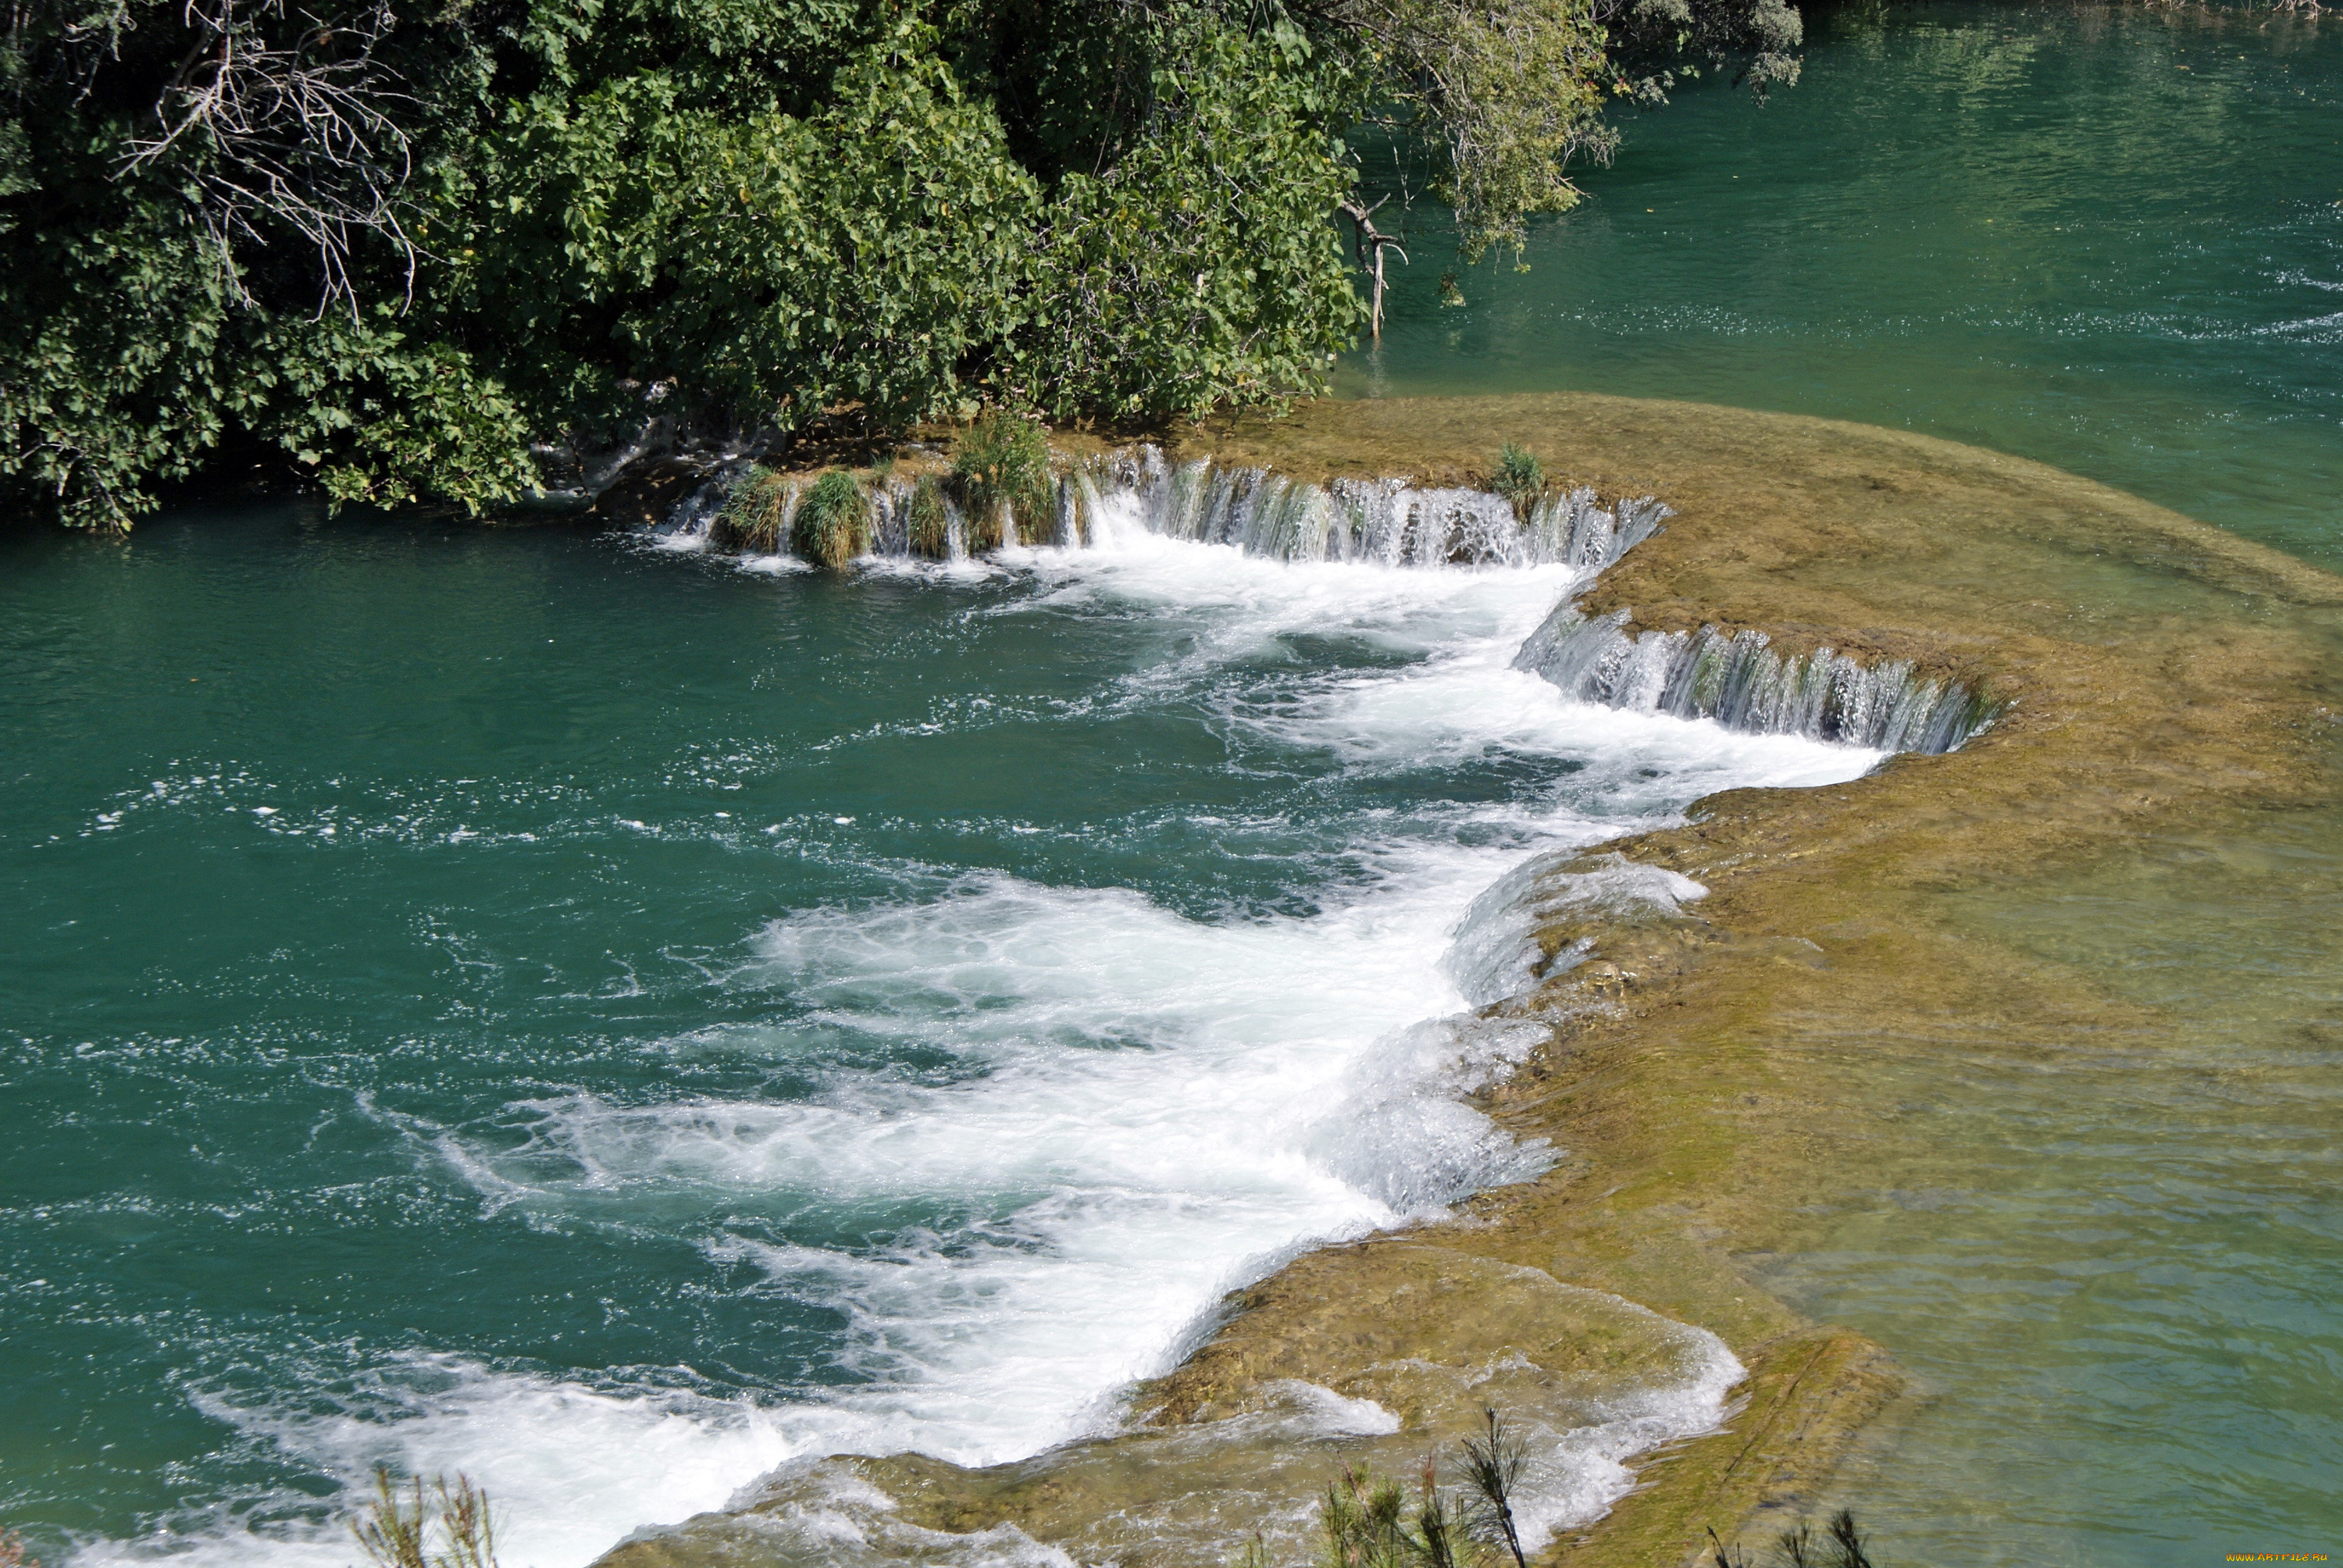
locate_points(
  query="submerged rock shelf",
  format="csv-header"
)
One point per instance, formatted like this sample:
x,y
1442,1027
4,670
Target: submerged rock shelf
x,y
1715,1082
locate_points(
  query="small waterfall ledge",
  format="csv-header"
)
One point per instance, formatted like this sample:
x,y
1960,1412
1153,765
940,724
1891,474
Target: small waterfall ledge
x,y
1738,680
1388,522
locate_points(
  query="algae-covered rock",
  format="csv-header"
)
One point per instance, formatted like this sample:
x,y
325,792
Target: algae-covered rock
x,y
1373,1355
1720,1072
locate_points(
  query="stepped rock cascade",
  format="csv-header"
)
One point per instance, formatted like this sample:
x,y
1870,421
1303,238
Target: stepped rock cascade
x,y
1736,679
1741,682
1387,521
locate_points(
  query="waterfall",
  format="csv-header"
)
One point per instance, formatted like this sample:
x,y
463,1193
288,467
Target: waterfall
x,y
1738,679
1390,522
1743,684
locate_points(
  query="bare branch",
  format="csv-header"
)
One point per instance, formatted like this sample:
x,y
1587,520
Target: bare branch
x,y
288,119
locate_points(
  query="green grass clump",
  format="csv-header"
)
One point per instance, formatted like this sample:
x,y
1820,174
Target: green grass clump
x,y
396,1529
754,512
1003,461
833,521
1521,477
928,524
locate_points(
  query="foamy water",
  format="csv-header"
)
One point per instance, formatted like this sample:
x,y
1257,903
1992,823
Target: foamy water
x,y
1065,1120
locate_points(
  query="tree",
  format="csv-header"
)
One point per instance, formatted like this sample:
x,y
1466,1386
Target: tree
x,y
451,252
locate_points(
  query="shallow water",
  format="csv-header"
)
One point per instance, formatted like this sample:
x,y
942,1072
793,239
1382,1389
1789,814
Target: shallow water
x,y
608,1022
2111,240
495,999
2107,238
2112,1256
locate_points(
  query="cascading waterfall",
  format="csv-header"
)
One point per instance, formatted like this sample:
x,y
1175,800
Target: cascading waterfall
x,y
1739,681
1385,521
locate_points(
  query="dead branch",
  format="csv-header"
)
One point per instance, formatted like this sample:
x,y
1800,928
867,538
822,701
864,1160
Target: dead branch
x,y
1368,243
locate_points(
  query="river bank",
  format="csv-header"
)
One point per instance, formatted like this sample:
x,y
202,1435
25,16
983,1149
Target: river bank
x,y
1721,1076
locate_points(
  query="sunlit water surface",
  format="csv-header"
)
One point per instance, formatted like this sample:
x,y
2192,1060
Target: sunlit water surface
x,y
605,1021
2111,239
608,1022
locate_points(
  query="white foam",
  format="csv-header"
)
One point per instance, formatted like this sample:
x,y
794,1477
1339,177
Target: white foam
x,y
566,1466
1143,1110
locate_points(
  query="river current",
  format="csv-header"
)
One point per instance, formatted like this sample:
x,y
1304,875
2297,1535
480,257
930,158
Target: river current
x,y
608,1022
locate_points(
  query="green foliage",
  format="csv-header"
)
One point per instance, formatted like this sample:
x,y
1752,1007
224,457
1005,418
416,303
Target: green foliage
x,y
1520,477
412,252
1509,92
1200,267
1001,471
832,525
774,263
928,522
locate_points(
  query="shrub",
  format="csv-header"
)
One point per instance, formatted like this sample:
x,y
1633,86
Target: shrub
x,y
1521,477
1003,462
832,525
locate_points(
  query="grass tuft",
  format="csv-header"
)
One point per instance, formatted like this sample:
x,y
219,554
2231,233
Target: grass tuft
x,y
754,513
1521,477
928,524
832,525
1001,469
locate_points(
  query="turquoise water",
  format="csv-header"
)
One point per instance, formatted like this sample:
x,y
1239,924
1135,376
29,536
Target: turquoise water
x,y
607,1020
528,1002
2107,238
2111,239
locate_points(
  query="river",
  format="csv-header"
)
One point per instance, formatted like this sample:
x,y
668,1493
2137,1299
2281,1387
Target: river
x,y
2111,239
586,1014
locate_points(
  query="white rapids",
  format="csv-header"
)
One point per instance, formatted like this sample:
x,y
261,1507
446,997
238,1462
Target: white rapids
x,y
1146,1107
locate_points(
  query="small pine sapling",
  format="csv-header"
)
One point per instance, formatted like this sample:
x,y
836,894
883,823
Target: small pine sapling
x,y
1493,1463
395,1529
